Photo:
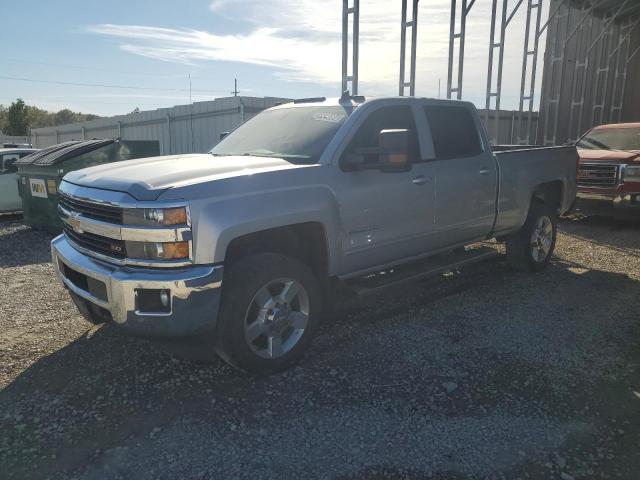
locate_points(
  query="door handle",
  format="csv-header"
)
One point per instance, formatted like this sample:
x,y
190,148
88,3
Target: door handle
x,y
483,171
419,180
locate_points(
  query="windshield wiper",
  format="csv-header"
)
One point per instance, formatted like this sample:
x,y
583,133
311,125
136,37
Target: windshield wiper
x,y
263,154
598,144
275,155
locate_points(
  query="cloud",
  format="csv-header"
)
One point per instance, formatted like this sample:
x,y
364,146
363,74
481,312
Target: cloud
x,y
301,41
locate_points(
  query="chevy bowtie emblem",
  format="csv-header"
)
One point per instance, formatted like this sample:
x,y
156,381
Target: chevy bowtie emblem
x,y
74,222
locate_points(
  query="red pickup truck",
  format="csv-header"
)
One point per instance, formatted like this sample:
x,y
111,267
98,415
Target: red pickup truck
x,y
609,168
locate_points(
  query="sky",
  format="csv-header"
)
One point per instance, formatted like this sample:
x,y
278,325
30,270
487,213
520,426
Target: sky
x,y
110,57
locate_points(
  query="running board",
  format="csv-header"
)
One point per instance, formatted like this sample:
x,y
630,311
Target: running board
x,y
418,270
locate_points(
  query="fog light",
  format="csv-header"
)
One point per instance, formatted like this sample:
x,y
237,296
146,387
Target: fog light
x,y
153,301
164,298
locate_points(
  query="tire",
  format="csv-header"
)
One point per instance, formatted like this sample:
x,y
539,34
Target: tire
x,y
530,249
267,297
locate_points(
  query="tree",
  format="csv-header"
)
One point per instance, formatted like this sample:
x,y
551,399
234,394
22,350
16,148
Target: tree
x,y
36,118
3,117
39,118
17,120
64,117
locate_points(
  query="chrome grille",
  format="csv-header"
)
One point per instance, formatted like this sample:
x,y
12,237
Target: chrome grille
x,y
96,243
96,211
598,175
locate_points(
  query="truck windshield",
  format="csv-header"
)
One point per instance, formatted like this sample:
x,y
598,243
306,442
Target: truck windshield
x,y
296,134
611,139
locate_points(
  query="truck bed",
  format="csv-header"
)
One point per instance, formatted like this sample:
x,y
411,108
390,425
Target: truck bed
x,y
525,167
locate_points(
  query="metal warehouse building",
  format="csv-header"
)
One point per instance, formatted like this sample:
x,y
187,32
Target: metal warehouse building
x,y
591,67
180,129
197,127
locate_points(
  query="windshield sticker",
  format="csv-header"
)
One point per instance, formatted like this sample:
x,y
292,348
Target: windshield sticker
x,y
328,117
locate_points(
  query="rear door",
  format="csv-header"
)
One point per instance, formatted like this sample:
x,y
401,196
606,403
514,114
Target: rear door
x,y
385,216
466,173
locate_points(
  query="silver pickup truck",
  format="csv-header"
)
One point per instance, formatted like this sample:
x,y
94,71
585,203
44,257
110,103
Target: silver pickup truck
x,y
244,246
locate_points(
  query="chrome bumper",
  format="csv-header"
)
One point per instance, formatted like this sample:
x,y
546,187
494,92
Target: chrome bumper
x,y
625,200
194,291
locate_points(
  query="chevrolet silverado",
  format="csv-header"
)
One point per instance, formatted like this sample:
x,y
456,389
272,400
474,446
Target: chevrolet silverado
x,y
244,246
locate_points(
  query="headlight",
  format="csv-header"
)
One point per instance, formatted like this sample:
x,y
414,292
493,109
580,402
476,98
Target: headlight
x,y
155,216
632,174
157,250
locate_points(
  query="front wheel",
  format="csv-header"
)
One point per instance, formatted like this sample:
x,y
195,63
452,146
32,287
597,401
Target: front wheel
x,y
269,313
530,249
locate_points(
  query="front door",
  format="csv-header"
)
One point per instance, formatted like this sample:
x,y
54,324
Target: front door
x,y
385,216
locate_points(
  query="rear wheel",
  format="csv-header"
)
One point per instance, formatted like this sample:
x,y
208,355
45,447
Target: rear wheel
x,y
530,249
269,313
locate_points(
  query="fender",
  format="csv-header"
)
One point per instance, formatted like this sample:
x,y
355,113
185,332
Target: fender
x,y
220,219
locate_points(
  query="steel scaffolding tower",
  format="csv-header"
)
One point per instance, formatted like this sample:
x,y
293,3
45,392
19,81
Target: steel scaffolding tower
x,y
354,12
461,37
404,25
590,45
528,77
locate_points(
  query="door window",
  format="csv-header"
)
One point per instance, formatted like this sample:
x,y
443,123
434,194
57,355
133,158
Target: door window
x,y
453,131
365,142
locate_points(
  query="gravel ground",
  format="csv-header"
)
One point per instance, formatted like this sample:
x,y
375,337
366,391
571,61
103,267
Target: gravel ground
x,y
483,373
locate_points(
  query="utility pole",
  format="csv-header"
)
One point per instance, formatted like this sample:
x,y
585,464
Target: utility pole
x,y
191,116
235,87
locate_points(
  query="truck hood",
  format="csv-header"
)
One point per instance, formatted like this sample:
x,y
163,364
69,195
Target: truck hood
x,y
609,155
147,178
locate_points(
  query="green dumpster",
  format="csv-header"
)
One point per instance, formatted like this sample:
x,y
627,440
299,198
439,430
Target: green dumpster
x,y
40,174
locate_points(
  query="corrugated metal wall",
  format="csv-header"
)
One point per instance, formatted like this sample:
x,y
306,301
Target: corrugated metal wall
x,y
197,127
508,125
180,129
12,139
584,72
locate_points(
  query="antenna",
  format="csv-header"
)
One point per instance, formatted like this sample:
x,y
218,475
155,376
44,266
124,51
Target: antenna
x,y
235,87
190,89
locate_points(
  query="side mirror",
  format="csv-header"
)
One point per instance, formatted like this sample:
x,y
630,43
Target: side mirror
x,y
223,134
391,154
394,150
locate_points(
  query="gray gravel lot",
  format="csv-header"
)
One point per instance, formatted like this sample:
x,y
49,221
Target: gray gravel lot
x,y
483,373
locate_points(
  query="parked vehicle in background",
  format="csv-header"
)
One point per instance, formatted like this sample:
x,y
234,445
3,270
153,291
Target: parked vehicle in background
x,y
245,245
17,145
609,170
9,196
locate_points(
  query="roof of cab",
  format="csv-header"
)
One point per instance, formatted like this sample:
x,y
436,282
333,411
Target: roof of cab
x,y
358,100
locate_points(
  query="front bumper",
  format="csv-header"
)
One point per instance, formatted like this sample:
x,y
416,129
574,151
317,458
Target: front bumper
x,y
110,292
626,200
